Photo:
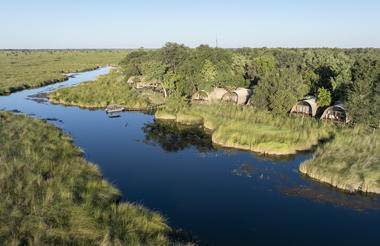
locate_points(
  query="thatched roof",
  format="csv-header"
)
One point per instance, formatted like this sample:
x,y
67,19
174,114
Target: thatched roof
x,y
307,106
336,113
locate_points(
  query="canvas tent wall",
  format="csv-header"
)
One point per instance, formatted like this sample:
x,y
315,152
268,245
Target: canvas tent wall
x,y
214,95
201,96
336,113
130,80
239,96
306,107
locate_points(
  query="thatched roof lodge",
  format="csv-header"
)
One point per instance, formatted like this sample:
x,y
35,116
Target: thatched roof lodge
x,y
336,113
307,107
239,96
214,95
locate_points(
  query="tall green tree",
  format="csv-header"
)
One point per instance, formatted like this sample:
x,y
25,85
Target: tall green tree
x,y
323,97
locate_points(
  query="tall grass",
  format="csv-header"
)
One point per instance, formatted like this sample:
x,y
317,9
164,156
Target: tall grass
x,y
247,128
351,161
51,196
21,69
106,89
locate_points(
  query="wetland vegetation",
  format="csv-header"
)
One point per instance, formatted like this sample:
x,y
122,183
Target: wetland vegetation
x,y
51,195
105,90
278,77
22,69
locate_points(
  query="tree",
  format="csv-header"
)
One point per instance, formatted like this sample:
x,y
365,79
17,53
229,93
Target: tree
x,y
209,72
323,97
359,101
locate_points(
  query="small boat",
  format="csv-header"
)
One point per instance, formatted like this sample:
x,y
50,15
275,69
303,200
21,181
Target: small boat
x,y
114,108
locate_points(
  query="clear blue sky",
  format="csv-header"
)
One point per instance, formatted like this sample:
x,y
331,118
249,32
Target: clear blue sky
x,y
149,24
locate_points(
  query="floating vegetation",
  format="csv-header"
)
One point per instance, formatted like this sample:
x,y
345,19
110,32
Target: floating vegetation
x,y
325,196
245,169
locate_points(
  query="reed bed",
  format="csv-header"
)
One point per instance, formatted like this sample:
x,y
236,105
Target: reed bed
x,y
51,196
246,128
350,162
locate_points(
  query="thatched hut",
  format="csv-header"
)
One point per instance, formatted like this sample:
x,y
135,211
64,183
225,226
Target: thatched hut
x,y
214,95
239,96
307,107
336,113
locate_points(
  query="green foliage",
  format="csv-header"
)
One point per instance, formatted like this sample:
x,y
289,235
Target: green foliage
x,y
363,94
279,91
208,72
105,90
323,97
21,69
51,196
278,76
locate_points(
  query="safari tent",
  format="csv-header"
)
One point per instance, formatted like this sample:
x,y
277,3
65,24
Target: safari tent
x,y
214,95
306,108
239,96
130,80
200,96
336,113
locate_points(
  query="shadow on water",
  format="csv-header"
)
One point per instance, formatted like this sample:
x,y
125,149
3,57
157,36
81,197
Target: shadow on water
x,y
174,137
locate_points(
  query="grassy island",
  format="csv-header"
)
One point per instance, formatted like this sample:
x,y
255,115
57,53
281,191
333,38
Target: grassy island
x,y
106,89
51,196
23,69
350,162
244,127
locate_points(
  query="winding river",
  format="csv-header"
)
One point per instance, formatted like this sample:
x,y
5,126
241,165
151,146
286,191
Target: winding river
x,y
221,197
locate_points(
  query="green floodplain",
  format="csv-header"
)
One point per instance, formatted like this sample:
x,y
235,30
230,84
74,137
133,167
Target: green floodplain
x,y
22,69
46,184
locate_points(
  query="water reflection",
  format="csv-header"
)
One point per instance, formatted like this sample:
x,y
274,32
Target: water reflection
x,y
173,137
245,169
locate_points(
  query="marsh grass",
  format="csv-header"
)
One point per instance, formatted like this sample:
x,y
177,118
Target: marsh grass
x,y
22,69
51,196
351,161
246,128
106,89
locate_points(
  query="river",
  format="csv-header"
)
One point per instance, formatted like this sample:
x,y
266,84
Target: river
x,y
222,197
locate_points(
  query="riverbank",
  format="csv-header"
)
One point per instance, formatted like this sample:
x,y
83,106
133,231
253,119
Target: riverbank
x,y
350,162
51,195
25,69
245,128
105,90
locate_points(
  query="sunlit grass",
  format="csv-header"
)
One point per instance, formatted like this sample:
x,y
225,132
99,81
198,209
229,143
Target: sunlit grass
x,y
51,196
25,69
247,128
351,161
106,89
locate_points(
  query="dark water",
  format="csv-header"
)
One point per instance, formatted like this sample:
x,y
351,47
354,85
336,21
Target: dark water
x,y
223,197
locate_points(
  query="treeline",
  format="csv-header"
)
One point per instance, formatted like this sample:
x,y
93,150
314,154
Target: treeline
x,y
279,77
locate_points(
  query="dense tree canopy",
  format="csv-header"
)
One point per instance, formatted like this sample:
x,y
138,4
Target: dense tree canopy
x,y
279,77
